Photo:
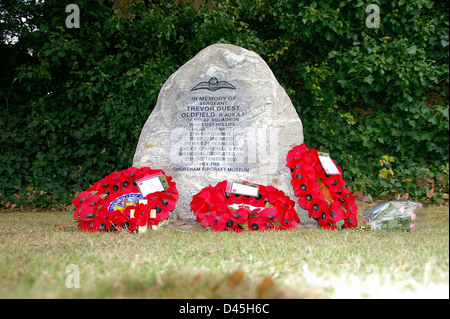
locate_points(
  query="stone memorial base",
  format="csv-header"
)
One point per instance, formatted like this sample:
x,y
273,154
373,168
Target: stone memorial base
x,y
221,116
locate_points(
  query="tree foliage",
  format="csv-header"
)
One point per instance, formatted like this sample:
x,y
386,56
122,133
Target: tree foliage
x,y
73,100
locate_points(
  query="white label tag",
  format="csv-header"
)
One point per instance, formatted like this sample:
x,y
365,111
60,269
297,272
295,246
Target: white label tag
x,y
327,164
244,189
152,184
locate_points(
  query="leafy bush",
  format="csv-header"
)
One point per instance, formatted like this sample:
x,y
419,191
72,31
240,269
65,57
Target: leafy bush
x,y
76,99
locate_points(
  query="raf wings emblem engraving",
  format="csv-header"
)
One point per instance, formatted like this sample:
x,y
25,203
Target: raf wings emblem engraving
x,y
213,85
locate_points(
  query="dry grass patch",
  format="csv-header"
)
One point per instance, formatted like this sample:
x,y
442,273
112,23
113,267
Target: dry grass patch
x,y
303,263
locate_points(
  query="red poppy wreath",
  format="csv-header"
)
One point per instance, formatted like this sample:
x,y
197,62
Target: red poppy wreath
x,y
116,202
222,209
325,196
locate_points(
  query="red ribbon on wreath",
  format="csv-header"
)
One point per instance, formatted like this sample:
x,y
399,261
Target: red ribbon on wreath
x,y
108,205
223,210
325,196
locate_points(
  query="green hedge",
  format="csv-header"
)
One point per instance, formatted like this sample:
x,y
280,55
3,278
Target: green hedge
x,y
74,100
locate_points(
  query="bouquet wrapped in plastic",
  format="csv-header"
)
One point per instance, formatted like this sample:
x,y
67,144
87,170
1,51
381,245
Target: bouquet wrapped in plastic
x,y
397,214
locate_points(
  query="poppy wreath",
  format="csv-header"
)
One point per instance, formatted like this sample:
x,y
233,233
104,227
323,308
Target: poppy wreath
x,y
271,209
325,196
108,205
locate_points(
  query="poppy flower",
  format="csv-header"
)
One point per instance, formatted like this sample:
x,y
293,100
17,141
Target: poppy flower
x,y
311,158
202,208
350,222
273,194
105,185
260,223
145,172
222,214
324,196
256,201
172,189
113,227
347,193
142,214
285,210
324,220
208,201
161,214
303,172
317,208
336,212
305,200
126,183
351,215
297,163
292,214
328,226
220,222
87,205
200,216
335,183
123,221
238,198
204,213
289,219
344,197
100,186
337,194
155,202
85,225
102,221
227,222
83,197
158,217
118,192
132,171
213,217
255,212
296,152
352,209
303,186
207,196
197,202
221,187
288,223
240,216
112,184
271,213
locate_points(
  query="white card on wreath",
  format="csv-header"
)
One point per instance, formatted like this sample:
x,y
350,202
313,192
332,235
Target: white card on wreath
x,y
152,184
244,189
327,164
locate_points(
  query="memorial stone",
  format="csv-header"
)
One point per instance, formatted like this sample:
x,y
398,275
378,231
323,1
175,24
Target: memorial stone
x,y
221,116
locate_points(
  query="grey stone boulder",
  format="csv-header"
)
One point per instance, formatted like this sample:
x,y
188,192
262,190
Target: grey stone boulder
x,y
221,116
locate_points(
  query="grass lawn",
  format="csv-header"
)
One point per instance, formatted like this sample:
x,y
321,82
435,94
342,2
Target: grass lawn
x,y
40,259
